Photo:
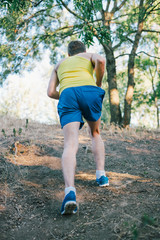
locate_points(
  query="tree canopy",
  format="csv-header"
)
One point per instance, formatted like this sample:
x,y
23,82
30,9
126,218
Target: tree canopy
x,y
123,28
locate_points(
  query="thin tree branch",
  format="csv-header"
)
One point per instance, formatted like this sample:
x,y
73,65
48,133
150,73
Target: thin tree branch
x,y
119,44
60,35
69,10
122,4
107,7
69,28
129,39
152,9
152,31
157,9
147,30
123,15
121,55
115,4
147,54
33,15
36,4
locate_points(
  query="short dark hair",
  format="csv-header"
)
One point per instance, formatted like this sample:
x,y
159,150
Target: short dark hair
x,y
75,47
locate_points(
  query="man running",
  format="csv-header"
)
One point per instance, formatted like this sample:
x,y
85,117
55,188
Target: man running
x,y
79,95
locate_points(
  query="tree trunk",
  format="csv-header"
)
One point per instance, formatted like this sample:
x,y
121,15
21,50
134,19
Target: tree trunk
x,y
155,98
129,92
115,111
131,84
157,110
158,71
116,117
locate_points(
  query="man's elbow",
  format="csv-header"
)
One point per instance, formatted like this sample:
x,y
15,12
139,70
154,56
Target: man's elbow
x,y
101,61
49,93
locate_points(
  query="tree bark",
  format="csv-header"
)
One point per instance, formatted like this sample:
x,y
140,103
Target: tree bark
x,y
131,83
115,111
155,98
129,92
158,71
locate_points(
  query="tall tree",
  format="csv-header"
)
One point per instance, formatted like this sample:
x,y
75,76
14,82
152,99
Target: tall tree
x,y
28,26
148,70
145,9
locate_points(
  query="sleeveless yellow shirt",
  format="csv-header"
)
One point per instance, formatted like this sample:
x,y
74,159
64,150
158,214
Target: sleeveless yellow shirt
x,y
75,71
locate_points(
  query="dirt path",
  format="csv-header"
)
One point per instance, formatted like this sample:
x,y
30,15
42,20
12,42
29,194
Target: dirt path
x,y
32,188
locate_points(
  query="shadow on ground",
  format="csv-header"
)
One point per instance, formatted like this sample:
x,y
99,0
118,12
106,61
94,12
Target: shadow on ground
x,y
32,187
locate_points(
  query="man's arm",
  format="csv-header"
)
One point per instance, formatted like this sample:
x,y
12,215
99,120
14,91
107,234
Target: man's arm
x,y
53,83
99,63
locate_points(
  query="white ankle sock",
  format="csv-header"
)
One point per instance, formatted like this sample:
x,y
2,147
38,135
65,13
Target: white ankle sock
x,y
100,173
68,189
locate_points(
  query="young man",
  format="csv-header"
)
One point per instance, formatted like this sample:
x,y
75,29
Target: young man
x,y
79,95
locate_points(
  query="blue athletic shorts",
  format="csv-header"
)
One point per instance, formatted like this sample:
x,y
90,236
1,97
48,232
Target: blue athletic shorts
x,y
75,102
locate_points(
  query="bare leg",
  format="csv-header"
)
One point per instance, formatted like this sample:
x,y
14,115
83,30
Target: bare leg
x,y
70,132
97,144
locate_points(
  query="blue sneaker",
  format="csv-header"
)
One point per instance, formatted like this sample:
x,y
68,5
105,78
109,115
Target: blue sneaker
x,y
69,205
103,181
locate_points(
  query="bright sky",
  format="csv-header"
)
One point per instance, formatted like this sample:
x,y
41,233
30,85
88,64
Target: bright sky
x,y
25,96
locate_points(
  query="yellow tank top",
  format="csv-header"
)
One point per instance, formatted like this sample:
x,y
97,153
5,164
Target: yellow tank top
x,y
75,71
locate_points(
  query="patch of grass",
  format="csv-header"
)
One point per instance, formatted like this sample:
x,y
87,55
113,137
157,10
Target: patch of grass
x,y
147,220
14,132
135,232
26,123
3,132
20,131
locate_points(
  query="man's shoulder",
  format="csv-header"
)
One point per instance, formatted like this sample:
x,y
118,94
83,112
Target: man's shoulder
x,y
85,55
59,63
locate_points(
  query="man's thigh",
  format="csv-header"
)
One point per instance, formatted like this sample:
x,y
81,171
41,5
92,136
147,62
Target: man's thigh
x,y
70,132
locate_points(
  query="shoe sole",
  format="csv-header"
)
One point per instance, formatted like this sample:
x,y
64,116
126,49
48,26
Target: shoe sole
x,y
69,208
104,185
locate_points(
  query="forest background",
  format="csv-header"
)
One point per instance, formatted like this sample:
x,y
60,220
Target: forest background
x,y
35,35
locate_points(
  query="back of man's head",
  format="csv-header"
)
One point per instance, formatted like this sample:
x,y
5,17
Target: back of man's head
x,y
75,47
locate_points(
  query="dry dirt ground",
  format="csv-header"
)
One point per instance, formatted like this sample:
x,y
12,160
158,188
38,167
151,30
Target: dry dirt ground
x,y
32,187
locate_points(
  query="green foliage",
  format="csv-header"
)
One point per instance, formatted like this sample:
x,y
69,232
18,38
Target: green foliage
x,y
14,132
4,133
136,229
87,37
147,90
20,131
15,6
135,232
27,29
30,27
26,126
149,70
147,220
105,117
122,85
